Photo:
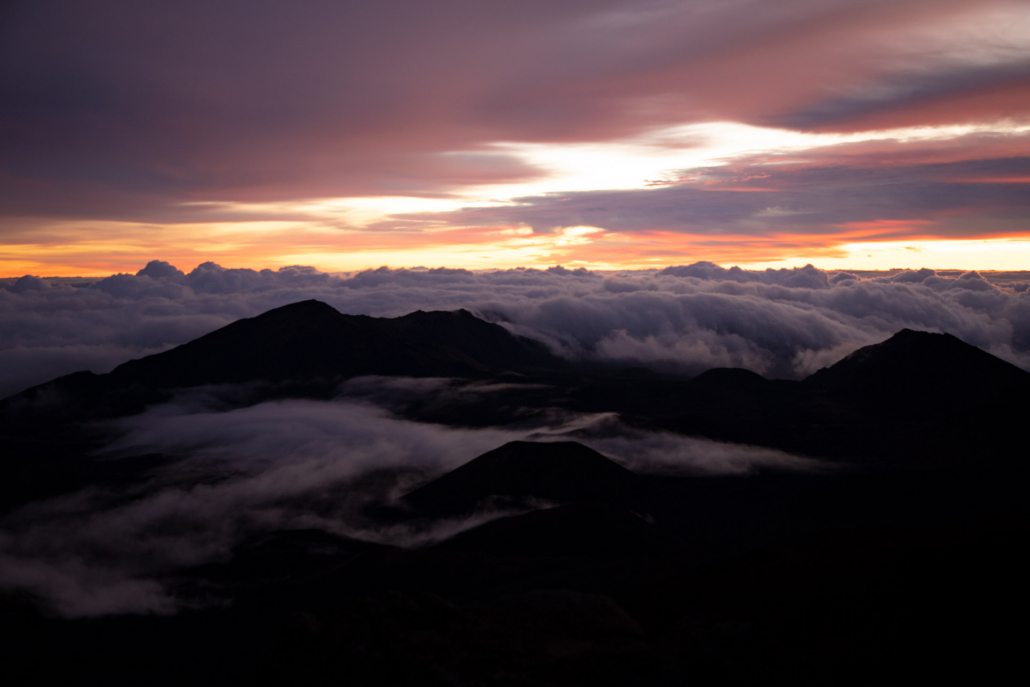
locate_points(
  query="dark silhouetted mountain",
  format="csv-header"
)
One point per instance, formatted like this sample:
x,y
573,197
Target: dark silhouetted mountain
x,y
311,340
919,370
309,345
917,398
923,398
561,472
304,349
729,380
579,529
833,576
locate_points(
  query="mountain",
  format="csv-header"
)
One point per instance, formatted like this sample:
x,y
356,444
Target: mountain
x,y
561,472
907,553
918,398
307,343
721,380
310,339
305,349
920,372
578,529
920,358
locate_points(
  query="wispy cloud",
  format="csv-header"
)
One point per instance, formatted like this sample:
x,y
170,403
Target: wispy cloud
x,y
232,475
275,137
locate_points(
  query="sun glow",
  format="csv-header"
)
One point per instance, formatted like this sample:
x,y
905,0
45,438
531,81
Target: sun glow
x,y
119,247
968,254
655,158
360,232
659,157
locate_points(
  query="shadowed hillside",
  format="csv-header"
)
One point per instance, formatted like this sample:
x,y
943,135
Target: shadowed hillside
x,y
894,553
308,345
561,472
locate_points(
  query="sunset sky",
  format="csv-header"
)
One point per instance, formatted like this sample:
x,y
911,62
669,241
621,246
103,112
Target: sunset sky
x,y
858,134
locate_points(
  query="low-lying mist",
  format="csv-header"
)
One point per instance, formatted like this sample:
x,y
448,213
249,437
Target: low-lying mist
x,y
226,475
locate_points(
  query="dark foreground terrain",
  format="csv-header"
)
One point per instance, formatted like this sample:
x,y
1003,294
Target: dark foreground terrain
x,y
896,556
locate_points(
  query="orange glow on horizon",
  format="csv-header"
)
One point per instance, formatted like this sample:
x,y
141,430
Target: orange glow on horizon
x,y
354,233
117,247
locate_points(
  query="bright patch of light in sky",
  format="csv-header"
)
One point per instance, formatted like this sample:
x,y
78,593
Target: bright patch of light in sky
x,y
510,248
341,233
662,155
967,254
658,156
332,234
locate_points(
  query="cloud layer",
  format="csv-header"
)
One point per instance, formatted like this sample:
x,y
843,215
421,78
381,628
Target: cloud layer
x,y
839,193
325,99
785,323
231,475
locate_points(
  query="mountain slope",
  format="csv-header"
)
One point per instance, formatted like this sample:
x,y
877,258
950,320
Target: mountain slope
x,y
303,343
580,529
916,399
929,363
310,340
562,471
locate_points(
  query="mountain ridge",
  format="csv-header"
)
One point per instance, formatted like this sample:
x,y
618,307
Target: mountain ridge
x,y
309,341
558,471
916,394
312,340
927,498
919,357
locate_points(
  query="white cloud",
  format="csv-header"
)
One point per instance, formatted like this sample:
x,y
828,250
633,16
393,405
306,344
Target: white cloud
x,y
780,323
282,465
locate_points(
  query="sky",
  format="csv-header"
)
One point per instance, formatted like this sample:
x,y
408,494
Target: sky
x,y
850,134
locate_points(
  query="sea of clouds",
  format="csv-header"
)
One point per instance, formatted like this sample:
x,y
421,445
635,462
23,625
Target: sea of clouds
x,y
780,323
